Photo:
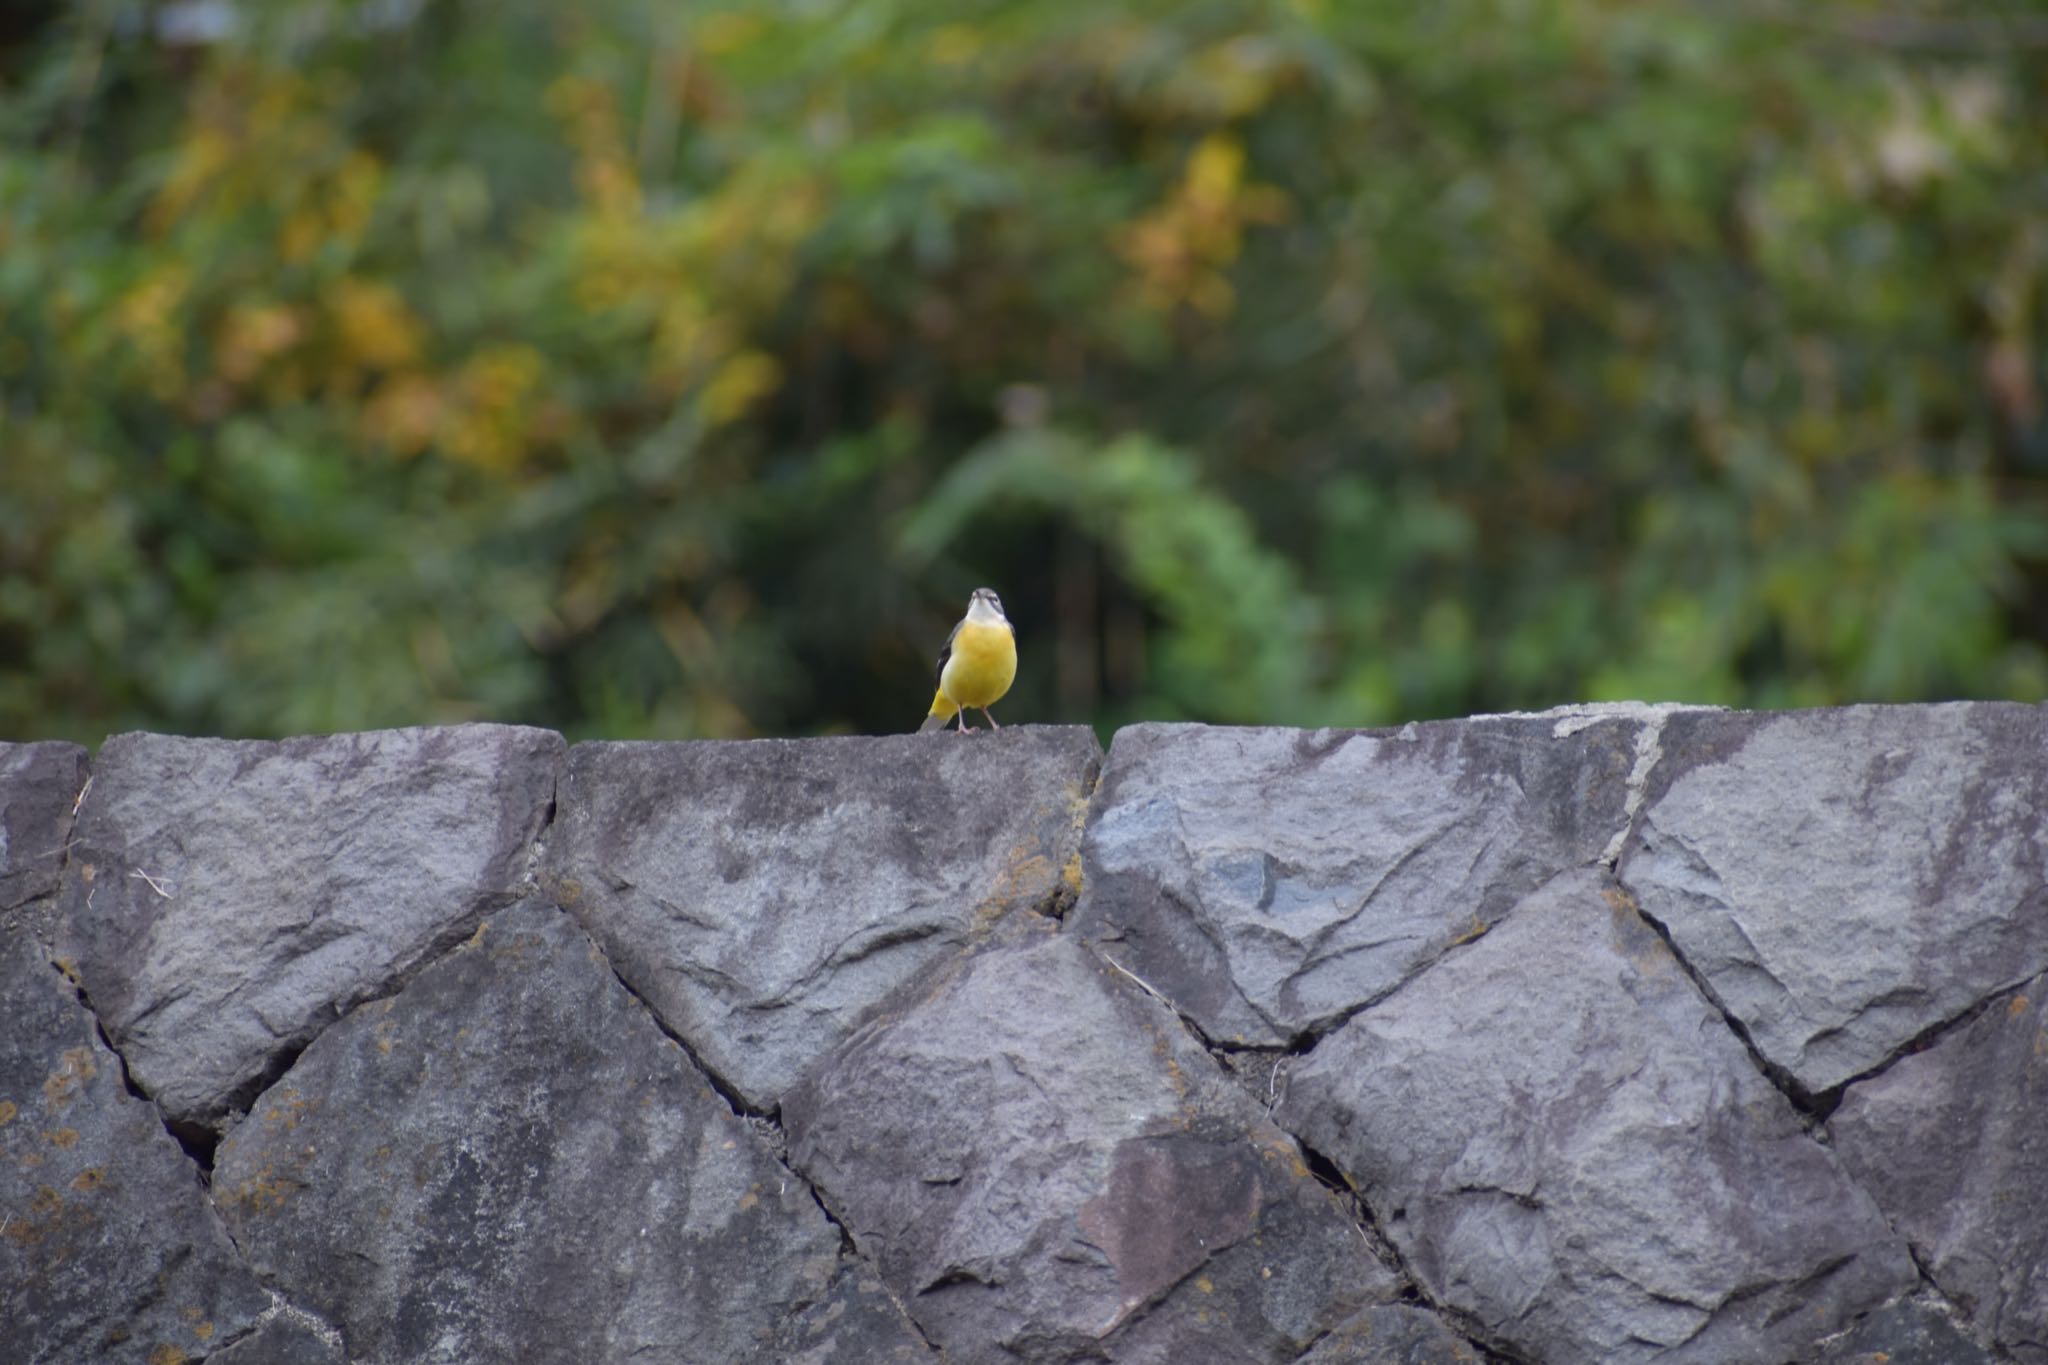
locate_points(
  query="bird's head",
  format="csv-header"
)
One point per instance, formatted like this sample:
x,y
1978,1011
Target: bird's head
x,y
985,606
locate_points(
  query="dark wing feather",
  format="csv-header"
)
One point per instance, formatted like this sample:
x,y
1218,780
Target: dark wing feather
x,y
946,651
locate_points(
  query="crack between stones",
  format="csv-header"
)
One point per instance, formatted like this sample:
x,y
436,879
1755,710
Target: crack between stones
x,y
200,1139
536,847
901,1307
1306,1039
279,1064
1926,1038
1814,1107
722,1087
1412,1292
1060,901
1330,1175
1961,1314
282,1307
1649,750
450,940
285,1308
765,1125
196,1141
1321,1168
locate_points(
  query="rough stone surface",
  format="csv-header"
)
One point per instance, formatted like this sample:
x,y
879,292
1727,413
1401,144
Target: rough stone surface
x,y
283,1340
108,1251
1272,881
227,899
1953,1142
943,977
1393,1334
764,895
1915,1331
1046,1167
1845,880
1563,1139
858,1322
39,784
509,1161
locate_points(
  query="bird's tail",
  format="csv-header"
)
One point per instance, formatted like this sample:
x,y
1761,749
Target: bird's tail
x,y
942,711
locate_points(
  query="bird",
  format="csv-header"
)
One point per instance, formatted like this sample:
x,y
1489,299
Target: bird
x,y
977,665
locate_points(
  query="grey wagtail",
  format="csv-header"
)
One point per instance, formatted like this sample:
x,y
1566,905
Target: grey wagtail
x,y
977,664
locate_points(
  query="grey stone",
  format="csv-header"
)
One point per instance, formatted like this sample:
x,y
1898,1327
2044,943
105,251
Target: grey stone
x,y
764,895
1393,1334
508,1161
858,1322
283,1339
108,1251
39,784
1953,1143
1272,881
1915,1331
1045,1167
1564,1141
227,899
1845,880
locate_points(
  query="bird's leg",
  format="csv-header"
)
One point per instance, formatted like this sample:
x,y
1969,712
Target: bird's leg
x,y
962,713
991,719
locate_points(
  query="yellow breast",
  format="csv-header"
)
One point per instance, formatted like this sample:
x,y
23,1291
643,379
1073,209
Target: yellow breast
x,y
983,664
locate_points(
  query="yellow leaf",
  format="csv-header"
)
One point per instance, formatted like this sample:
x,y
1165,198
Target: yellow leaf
x,y
373,326
741,380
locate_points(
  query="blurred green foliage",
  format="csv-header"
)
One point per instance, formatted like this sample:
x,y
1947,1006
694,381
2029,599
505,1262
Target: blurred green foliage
x,y
647,369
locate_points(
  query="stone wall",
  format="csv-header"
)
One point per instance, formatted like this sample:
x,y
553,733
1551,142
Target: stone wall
x,y
1609,1034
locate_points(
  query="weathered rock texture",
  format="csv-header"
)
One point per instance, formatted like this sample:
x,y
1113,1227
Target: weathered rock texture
x,y
1613,1034
1843,881
229,899
1274,881
108,1249
763,895
1954,1143
1565,1142
39,788
547,1176
1042,1161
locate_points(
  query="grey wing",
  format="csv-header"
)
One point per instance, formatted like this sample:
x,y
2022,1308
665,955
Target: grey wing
x,y
945,653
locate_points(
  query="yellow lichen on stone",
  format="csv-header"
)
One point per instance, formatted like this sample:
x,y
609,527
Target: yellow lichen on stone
x,y
289,1108
1276,1148
1026,876
61,1137
76,1068
8,1110
166,1354
1078,798
89,1179
264,1191
1645,953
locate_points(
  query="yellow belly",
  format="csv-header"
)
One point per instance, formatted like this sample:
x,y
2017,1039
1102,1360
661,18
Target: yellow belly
x,y
983,665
